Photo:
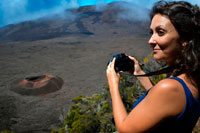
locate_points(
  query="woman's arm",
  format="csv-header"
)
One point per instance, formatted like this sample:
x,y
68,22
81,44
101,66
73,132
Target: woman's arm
x,y
145,81
165,99
118,106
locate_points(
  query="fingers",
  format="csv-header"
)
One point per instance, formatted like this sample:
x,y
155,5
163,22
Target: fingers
x,y
111,65
111,70
112,62
133,59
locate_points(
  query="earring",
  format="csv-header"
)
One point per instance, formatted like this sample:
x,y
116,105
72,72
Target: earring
x,y
184,44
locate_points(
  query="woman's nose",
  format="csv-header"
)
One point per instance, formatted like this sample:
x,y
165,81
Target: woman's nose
x,y
151,40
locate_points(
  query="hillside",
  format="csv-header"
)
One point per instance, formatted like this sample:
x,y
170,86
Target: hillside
x,y
86,21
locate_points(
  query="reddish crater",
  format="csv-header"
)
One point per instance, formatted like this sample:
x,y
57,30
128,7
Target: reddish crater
x,y
37,85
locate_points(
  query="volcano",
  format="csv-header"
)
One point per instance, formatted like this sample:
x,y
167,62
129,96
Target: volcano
x,y
87,22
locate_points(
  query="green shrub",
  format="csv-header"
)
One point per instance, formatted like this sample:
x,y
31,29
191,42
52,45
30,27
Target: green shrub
x,y
6,131
94,113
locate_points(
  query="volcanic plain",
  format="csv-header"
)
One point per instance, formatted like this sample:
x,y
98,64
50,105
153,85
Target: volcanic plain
x,y
77,51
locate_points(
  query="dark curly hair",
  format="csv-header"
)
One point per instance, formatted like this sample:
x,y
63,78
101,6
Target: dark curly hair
x,y
186,20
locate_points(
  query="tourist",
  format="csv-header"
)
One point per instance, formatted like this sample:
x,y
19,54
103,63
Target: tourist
x,y
172,105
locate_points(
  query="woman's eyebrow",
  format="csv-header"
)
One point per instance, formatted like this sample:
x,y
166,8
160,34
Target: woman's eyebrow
x,y
160,27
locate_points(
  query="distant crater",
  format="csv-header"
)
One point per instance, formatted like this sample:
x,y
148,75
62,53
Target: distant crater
x,y
37,85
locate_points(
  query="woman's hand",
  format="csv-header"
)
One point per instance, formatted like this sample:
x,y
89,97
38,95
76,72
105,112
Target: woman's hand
x,y
145,81
112,76
137,68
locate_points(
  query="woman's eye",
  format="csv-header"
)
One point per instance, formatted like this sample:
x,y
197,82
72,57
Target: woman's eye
x,y
160,32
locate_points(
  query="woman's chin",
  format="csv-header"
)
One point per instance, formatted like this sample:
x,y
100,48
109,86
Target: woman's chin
x,y
158,58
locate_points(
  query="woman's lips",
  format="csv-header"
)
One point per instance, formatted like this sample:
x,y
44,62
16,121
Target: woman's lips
x,y
155,50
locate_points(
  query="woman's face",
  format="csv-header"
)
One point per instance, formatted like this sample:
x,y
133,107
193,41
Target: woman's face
x,y
164,39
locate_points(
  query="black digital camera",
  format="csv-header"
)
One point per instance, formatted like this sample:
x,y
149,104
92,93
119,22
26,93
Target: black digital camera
x,y
122,63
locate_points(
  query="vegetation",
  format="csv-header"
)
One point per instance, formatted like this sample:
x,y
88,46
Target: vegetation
x,y
6,131
94,113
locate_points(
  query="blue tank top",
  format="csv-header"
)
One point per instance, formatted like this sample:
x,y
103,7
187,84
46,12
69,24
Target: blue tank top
x,y
184,122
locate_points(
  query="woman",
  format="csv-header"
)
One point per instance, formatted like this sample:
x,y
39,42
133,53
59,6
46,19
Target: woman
x,y
171,105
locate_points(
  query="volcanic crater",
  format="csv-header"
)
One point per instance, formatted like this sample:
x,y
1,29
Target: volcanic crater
x,y
37,85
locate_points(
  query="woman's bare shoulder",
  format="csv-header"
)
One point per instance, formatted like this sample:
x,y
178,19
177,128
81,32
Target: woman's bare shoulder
x,y
170,93
168,85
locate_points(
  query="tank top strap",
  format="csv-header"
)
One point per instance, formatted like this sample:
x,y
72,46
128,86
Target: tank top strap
x,y
191,112
187,94
186,89
190,100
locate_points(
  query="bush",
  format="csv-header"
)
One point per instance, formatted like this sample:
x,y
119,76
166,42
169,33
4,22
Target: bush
x,y
6,131
94,113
